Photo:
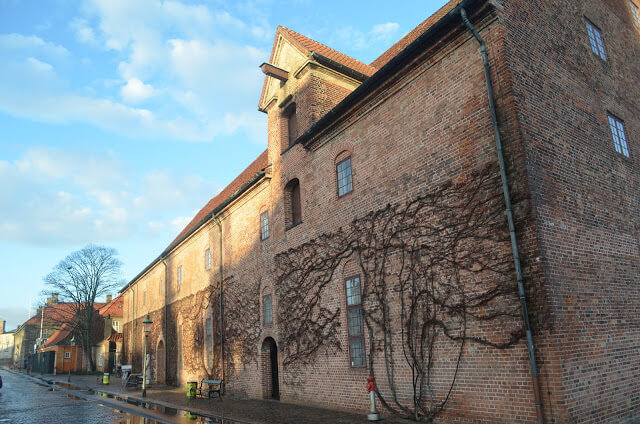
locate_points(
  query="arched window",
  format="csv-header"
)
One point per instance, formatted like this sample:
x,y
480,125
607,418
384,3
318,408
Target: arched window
x,y
293,205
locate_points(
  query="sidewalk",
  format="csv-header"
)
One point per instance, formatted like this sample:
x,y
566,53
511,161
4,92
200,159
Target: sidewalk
x,y
249,411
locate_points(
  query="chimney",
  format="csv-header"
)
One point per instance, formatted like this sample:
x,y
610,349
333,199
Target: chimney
x,y
109,298
54,298
2,322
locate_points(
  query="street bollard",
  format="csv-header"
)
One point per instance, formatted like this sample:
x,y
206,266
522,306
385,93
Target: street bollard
x,y
371,388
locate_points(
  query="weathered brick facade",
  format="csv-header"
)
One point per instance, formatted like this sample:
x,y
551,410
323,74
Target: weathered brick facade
x,y
416,118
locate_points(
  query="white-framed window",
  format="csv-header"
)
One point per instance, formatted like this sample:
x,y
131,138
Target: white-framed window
x,y
116,325
207,259
619,136
595,39
355,322
345,183
67,355
635,13
267,309
264,225
180,275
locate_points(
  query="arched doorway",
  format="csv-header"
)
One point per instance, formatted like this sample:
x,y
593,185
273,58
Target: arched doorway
x,y
269,365
161,364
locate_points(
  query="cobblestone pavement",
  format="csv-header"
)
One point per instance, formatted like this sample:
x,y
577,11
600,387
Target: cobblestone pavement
x,y
253,411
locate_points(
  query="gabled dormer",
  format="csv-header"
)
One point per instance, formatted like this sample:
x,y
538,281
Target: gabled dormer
x,y
303,81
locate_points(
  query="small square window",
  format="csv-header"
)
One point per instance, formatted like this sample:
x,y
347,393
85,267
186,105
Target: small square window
x,y
345,184
180,275
619,136
67,355
595,39
635,13
207,258
264,226
268,309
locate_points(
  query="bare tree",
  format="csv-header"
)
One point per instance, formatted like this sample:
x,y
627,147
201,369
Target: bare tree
x,y
436,275
79,279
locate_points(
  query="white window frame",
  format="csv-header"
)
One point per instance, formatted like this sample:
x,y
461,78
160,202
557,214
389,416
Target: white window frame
x,y
67,355
265,229
616,126
595,40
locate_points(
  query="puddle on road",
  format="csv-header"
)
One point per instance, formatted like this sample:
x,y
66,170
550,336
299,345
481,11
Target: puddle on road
x,y
180,416
173,414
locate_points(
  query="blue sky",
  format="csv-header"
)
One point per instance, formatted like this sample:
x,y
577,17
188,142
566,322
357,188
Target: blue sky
x,y
121,119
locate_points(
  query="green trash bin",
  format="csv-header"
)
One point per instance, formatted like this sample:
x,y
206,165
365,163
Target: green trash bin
x,y
105,378
191,389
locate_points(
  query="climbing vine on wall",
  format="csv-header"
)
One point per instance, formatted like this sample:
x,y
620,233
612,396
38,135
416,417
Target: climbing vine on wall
x,y
437,275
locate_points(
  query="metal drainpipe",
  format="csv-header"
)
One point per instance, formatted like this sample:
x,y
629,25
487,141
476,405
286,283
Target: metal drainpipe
x,y
166,335
217,221
509,212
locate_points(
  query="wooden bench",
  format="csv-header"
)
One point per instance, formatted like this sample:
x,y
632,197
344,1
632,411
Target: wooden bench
x,y
213,386
133,380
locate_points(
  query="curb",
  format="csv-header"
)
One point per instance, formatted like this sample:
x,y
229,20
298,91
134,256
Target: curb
x,y
130,399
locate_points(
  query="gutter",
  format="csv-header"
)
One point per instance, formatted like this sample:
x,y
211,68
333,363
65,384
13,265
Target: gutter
x,y
509,213
243,188
216,219
332,64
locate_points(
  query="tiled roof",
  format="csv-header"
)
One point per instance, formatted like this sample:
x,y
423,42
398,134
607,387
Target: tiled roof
x,y
116,337
313,46
57,313
59,336
256,166
413,34
113,308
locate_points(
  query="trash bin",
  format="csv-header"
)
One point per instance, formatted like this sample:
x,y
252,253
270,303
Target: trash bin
x,y
105,378
191,389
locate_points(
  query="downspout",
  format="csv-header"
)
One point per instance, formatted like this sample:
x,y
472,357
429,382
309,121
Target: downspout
x,y
509,212
220,270
166,335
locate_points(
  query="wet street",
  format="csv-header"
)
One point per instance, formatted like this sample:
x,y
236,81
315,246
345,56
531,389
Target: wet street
x,y
24,401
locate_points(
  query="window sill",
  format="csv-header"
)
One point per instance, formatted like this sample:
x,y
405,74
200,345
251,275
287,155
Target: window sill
x,y
293,226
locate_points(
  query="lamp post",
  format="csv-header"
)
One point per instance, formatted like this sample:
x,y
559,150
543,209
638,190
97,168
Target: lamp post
x,y
73,343
146,325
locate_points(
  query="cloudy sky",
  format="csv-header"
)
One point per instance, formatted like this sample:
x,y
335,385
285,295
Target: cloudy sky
x,y
120,119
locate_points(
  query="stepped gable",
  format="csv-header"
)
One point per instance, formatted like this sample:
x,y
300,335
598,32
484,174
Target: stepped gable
x,y
413,34
256,166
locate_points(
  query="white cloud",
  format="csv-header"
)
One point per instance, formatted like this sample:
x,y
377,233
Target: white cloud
x,y
51,196
360,40
21,42
83,31
384,31
136,91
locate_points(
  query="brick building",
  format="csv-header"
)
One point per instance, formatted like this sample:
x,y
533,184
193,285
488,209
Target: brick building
x,y
345,139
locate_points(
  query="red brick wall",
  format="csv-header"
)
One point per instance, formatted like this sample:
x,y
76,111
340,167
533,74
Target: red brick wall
x,y
585,197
